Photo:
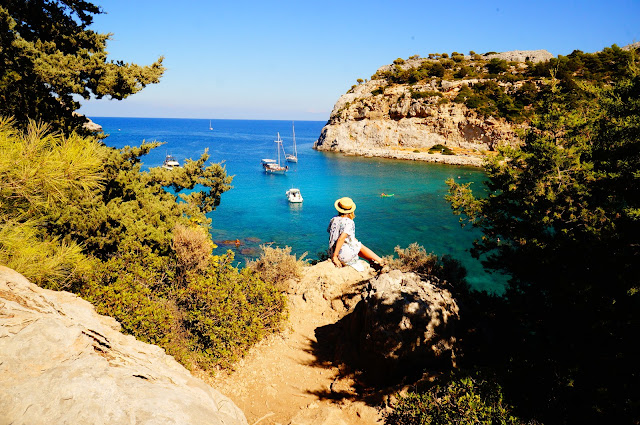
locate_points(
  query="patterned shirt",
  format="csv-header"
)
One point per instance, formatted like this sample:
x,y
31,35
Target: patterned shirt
x,y
351,246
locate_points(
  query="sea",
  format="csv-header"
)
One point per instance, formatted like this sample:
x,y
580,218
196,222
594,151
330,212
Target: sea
x,y
256,211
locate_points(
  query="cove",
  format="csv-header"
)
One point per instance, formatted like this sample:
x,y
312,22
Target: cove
x,y
255,211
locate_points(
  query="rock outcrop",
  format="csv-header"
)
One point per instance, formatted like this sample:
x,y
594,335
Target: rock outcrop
x,y
92,126
521,56
392,326
88,124
62,363
378,118
403,325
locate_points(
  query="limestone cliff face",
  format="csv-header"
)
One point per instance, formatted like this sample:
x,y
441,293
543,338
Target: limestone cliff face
x,y
61,363
382,119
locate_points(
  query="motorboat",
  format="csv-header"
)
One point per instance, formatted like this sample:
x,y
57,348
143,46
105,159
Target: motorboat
x,y
294,196
170,163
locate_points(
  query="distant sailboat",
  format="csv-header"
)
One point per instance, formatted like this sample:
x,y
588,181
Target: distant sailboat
x,y
271,166
294,156
210,128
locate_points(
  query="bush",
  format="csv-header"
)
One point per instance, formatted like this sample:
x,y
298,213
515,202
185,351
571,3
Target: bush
x,y
425,94
41,174
278,265
465,401
204,319
192,246
497,66
447,63
414,258
131,287
226,311
442,149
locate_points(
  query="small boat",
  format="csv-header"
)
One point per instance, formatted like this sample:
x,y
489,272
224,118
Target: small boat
x,y
294,196
387,195
294,156
210,128
170,163
271,166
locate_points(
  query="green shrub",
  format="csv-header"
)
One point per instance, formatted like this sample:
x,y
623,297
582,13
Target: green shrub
x,y
442,149
465,401
461,72
425,94
497,66
204,319
226,311
41,173
131,287
447,63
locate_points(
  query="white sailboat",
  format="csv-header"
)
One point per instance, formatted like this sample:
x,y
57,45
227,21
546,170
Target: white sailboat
x,y
294,156
210,128
272,166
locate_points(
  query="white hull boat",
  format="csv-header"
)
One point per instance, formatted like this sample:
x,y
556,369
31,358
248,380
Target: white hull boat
x,y
294,196
170,163
271,166
294,156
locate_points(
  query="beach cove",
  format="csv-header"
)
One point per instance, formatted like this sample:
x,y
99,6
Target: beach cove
x,y
255,211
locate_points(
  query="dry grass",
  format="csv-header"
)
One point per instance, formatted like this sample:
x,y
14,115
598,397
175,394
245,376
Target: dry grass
x,y
278,265
193,247
414,258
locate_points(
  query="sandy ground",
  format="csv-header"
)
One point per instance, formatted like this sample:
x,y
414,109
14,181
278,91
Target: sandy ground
x,y
284,380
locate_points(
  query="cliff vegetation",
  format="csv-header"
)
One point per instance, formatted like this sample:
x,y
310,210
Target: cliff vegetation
x,y
470,103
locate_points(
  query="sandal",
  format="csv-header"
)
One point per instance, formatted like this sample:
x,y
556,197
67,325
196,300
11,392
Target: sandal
x,y
380,267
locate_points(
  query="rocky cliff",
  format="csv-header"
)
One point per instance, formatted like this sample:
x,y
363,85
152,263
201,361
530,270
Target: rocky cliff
x,y
61,363
384,118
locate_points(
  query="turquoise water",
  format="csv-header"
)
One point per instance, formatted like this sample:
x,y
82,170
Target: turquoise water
x,y
256,210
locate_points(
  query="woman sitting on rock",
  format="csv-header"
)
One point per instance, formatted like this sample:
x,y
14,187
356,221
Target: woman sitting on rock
x,y
344,248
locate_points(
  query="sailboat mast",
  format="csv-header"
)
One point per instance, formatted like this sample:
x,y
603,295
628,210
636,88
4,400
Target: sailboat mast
x,y
278,147
295,149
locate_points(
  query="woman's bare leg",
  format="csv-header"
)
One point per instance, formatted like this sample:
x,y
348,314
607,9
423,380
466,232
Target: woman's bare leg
x,y
367,254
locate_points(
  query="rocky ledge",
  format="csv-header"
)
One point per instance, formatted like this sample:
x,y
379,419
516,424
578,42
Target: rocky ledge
x,y
62,363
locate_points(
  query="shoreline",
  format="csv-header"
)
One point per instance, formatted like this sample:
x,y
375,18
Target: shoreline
x,y
473,160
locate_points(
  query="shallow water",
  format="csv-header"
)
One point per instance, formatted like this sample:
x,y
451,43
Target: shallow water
x,y
256,210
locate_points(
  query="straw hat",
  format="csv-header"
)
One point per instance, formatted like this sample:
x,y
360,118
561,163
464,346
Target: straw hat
x,y
345,205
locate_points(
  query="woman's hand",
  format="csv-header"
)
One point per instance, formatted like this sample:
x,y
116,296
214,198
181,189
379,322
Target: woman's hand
x,y
336,262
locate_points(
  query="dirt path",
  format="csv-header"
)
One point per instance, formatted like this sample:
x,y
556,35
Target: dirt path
x,y
282,380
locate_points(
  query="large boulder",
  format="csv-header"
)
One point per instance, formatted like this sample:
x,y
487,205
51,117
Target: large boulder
x,y
62,363
403,325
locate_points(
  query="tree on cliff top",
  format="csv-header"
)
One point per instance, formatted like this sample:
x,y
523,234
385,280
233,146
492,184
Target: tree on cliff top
x,y
48,55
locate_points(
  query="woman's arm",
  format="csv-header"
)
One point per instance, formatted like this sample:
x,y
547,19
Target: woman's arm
x,y
336,250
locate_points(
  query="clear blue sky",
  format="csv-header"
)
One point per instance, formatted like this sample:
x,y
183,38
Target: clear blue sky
x,y
292,60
